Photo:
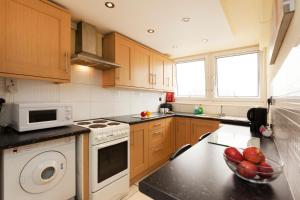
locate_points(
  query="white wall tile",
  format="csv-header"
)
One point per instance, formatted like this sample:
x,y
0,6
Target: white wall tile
x,y
74,92
85,94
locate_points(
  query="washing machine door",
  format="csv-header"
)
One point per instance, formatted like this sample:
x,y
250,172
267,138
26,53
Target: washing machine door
x,y
43,172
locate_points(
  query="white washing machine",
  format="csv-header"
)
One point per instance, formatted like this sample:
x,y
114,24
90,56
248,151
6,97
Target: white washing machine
x,y
41,171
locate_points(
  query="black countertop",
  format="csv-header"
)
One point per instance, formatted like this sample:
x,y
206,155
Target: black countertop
x,y
10,138
129,119
201,173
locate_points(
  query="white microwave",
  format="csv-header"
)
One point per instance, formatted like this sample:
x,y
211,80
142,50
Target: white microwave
x,y
34,116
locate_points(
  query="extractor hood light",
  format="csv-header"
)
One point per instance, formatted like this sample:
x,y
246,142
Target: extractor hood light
x,y
150,30
109,4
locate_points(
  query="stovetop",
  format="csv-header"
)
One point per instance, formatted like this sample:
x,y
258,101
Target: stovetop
x,y
103,130
98,123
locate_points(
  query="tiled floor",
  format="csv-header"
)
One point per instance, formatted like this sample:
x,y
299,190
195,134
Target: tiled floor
x,y
135,194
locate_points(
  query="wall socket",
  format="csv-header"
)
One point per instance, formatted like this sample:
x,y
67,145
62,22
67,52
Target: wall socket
x,y
11,85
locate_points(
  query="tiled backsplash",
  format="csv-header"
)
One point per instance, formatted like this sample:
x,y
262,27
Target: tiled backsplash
x,y
85,93
286,123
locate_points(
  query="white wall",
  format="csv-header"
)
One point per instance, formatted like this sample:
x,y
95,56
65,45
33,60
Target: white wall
x,y
85,93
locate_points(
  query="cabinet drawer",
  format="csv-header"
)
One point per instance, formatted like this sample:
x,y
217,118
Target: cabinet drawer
x,y
156,135
156,153
156,124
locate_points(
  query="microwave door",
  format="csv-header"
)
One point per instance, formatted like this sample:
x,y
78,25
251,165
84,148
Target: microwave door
x,y
39,116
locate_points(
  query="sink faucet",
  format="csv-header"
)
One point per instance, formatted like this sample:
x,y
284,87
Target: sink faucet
x,y
221,112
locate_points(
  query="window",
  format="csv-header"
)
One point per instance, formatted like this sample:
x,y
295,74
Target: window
x,y
238,76
191,79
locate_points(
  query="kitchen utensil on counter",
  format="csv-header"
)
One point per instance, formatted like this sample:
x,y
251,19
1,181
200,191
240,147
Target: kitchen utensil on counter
x,y
170,97
198,110
166,105
257,117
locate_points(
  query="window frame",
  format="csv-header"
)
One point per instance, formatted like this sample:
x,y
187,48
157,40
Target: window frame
x,y
205,72
210,76
216,89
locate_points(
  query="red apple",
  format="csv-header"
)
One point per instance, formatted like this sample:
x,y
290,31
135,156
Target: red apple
x,y
233,155
265,170
247,169
143,114
253,155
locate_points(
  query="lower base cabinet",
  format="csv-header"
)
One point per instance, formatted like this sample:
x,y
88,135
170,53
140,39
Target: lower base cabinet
x,y
152,143
202,126
139,148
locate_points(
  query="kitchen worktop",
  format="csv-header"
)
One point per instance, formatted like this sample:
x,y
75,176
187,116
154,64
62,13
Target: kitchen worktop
x,y
201,173
10,138
132,119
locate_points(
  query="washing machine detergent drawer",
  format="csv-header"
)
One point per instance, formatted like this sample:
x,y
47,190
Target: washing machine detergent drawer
x,y
40,171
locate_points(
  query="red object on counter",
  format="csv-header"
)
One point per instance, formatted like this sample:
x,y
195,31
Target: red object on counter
x,y
170,97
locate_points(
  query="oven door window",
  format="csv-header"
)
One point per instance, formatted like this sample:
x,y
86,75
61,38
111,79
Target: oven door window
x,y
112,160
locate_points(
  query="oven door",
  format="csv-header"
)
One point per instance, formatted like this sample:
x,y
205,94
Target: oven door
x,y
109,162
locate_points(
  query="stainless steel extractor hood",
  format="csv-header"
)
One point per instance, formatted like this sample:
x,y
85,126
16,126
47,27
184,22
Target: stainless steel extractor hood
x,y
86,48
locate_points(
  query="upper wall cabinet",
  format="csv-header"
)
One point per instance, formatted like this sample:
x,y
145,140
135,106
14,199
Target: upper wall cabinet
x,y
34,40
119,50
141,72
168,75
141,67
157,72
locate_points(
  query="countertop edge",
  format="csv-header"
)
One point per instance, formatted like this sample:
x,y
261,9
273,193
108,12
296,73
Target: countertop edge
x,y
68,133
225,121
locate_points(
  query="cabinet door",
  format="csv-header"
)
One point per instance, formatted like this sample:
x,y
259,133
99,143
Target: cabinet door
x,y
158,72
157,148
123,57
35,39
139,146
168,75
169,139
183,131
141,69
201,126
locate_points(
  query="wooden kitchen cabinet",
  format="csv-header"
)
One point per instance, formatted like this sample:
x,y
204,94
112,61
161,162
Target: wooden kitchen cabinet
x,y
139,149
34,40
169,139
157,148
168,75
120,50
157,72
182,131
201,126
142,67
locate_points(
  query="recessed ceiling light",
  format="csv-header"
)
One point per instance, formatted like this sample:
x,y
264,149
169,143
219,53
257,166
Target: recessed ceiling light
x,y
204,40
186,19
109,4
150,30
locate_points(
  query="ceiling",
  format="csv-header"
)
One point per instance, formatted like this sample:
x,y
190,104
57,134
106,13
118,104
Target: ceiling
x,y
224,23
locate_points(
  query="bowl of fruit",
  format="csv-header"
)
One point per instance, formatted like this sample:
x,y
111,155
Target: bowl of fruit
x,y
252,165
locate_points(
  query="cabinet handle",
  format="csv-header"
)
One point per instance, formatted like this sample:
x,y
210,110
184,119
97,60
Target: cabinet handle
x,y
66,62
150,79
155,79
157,133
117,74
157,149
